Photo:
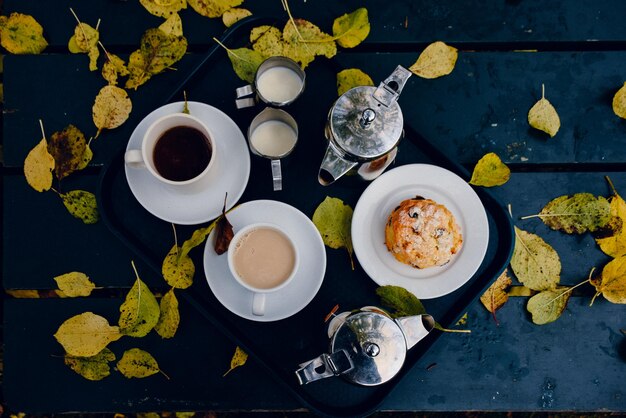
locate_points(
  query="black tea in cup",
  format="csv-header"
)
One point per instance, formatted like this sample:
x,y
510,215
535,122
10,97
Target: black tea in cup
x,y
182,153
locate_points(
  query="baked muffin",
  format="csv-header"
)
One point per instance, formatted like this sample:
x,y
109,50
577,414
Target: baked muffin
x,y
422,233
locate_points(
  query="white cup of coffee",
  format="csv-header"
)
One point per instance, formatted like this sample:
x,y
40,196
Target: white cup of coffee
x,y
263,259
177,149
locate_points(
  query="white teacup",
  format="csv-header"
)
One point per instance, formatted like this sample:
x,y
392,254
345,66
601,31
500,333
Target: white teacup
x,y
177,149
263,259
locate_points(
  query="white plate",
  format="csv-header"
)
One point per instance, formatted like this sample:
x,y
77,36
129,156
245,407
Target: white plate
x,y
431,182
196,203
305,284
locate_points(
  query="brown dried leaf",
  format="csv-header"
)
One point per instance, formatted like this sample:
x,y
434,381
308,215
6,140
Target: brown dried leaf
x,y
68,147
496,295
224,232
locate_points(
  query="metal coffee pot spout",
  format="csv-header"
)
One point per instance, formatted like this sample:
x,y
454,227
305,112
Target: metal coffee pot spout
x,y
367,347
363,129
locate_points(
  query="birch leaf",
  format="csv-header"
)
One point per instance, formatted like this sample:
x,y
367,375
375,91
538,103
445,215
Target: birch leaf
x,y
234,15
267,41
68,148
239,359
245,62
113,68
86,158
304,41
401,300
577,213
94,367
350,78
21,34
619,102
333,219
87,334
140,311
170,317
85,41
213,8
612,282
351,29
38,167
137,363
543,116
74,284
111,108
436,60
612,237
178,270
535,263
23,293
496,295
163,8
490,171
82,205
173,26
198,237
547,306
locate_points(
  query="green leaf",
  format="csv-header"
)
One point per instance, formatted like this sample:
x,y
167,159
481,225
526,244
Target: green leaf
x,y
535,263
576,214
82,205
140,311
401,300
245,62
74,284
333,220
177,270
490,171
137,363
350,78
68,147
170,317
547,306
87,334
94,367
21,34
351,29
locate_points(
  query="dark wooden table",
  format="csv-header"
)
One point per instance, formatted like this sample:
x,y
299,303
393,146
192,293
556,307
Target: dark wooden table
x,y
507,50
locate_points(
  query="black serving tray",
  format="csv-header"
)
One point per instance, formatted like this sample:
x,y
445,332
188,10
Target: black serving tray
x,y
280,346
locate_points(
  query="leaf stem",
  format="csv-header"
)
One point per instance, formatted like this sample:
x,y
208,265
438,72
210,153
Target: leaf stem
x,y
565,292
43,133
105,51
608,179
175,238
286,7
163,373
132,263
543,91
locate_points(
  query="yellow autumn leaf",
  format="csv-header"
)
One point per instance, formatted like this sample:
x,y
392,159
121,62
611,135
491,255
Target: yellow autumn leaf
x,y
612,282
38,167
86,334
81,204
350,78
613,236
140,311
490,171
535,263
304,41
239,359
543,116
619,102
163,8
213,8
111,108
94,367
178,271
23,293
496,295
138,363
548,305
74,284
234,15
172,26
267,41
113,68
170,316
85,41
351,29
21,34
437,60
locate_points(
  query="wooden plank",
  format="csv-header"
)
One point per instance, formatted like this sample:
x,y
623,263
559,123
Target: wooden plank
x,y
487,21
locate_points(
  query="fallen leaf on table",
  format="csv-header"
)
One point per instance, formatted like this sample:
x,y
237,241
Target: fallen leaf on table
x,y
548,305
543,116
178,271
140,311
490,171
401,300
267,41
351,29
239,359
170,316
213,8
111,108
23,293
304,41
82,205
619,102
38,167
85,41
93,367
138,363
575,214
234,15
245,62
173,26
437,60
535,263
612,237
612,282
21,34
350,78
69,150
333,220
223,232
496,295
74,284
163,8
113,68
87,334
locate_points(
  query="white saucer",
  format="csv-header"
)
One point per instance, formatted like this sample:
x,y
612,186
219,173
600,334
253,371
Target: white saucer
x,y
196,203
431,182
305,284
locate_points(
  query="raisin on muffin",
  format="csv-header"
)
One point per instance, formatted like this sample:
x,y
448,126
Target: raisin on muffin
x,y
422,233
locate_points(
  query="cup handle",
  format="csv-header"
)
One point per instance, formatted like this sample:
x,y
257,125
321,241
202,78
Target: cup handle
x,y
277,176
258,304
243,101
134,158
